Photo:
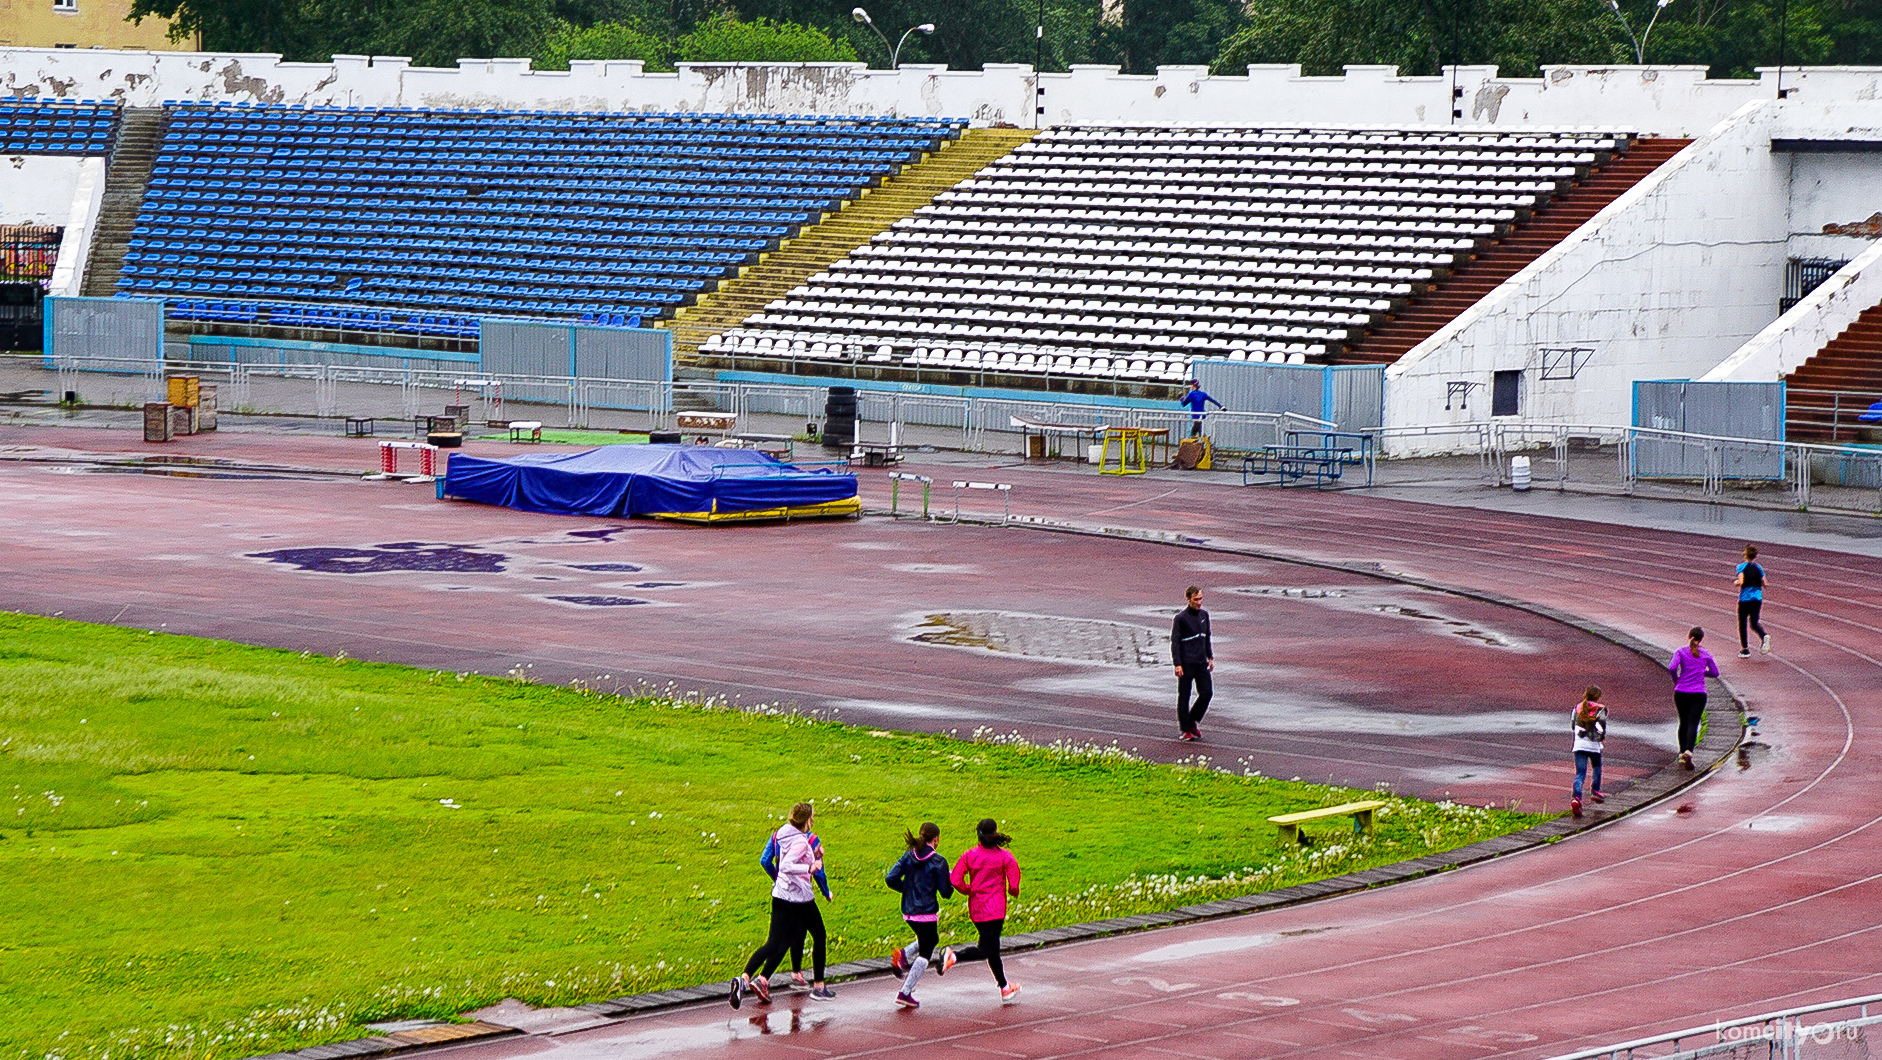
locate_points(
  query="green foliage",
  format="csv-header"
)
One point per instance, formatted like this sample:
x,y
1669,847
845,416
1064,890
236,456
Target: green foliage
x,y
726,39
604,40
212,851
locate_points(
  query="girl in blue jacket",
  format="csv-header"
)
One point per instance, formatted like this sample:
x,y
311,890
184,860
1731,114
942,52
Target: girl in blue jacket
x,y
921,874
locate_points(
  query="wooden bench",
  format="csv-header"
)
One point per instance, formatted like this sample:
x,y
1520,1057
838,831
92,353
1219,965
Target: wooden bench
x,y
720,423
525,430
1360,812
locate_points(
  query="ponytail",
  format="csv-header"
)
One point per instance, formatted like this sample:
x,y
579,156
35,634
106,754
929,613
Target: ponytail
x,y
989,834
929,833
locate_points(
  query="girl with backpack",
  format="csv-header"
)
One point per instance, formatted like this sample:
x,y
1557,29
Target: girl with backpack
x,y
793,908
768,861
921,874
1590,725
987,874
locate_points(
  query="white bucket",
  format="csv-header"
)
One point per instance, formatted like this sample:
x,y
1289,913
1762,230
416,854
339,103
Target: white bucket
x,y
1519,472
1094,454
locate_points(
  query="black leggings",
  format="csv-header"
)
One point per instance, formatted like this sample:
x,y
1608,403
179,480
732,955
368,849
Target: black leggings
x,y
1691,707
1188,717
988,948
789,922
1748,613
813,925
927,933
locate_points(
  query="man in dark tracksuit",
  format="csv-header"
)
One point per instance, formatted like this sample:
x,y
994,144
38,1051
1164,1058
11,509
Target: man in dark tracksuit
x,y
1195,660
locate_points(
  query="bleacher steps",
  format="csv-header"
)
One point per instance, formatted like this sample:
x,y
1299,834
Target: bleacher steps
x,y
819,245
1485,271
127,176
1836,384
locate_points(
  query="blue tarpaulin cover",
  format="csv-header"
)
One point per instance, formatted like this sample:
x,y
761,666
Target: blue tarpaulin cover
x,y
685,481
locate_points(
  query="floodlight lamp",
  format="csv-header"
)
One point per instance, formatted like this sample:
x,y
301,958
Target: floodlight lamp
x,y
860,15
927,28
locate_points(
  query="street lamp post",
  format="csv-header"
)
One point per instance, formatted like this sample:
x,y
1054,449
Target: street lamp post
x,y
895,53
1640,42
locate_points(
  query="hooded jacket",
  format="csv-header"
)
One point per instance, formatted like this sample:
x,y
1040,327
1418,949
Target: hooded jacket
x,y
921,875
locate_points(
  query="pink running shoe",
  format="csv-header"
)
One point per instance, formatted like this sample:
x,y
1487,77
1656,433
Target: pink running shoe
x,y
1574,807
906,1002
947,961
1009,992
761,988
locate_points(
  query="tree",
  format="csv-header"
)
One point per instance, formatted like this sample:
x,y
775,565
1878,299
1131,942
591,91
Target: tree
x,y
604,40
725,39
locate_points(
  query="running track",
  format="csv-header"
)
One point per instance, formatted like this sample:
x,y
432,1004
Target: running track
x,y
1766,891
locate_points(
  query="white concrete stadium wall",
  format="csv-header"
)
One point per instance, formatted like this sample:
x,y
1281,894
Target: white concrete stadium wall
x,y
1665,100
1795,337
1663,283
1835,204
37,189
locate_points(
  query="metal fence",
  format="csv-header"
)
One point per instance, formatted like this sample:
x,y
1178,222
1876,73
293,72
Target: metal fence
x,y
122,335
1350,397
1834,1030
1709,458
1716,410
580,354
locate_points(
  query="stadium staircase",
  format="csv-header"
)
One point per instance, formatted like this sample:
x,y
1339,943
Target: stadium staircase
x,y
1826,393
1551,224
127,177
816,247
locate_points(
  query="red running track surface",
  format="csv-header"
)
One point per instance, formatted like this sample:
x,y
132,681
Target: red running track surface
x,y
1759,888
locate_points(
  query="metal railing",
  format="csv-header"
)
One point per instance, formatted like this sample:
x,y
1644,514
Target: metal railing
x,y
1712,461
1781,1035
1845,407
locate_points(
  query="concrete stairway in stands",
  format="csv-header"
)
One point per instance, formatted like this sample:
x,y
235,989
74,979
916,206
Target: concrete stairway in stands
x,y
1826,393
1465,285
127,175
817,246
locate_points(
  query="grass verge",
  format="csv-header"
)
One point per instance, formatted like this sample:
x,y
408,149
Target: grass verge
x,y
567,437
211,850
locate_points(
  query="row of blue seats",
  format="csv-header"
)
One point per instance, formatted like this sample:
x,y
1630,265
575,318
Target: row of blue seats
x,y
302,316
624,180
591,244
605,257
281,196
683,223
407,115
486,298
318,274
481,268
382,171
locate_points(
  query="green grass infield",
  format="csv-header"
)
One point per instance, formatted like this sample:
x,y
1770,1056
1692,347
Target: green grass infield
x,y
211,850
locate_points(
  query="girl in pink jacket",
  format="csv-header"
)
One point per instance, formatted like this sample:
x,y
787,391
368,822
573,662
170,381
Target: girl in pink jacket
x,y
987,874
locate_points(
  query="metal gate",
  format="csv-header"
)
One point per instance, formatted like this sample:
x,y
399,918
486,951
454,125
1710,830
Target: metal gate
x,y
1731,412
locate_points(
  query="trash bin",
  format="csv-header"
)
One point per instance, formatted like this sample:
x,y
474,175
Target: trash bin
x,y
839,418
1519,472
157,421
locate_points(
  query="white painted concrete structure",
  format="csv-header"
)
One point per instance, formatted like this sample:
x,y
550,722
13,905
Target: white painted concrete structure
x,y
1791,339
1657,101
1667,282
1670,281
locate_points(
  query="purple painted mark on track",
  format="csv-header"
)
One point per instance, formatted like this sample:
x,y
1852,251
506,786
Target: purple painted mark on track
x,y
630,567
397,556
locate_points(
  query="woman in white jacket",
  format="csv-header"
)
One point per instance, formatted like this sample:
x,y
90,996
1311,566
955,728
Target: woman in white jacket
x,y
793,913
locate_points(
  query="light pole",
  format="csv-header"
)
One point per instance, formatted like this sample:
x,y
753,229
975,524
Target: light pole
x,y
1640,42
895,53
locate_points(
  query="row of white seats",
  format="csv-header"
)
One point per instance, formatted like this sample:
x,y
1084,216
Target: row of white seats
x,y
1047,189
1122,170
1135,224
1280,290
1239,319
1174,335
1062,208
1190,183
1397,158
1331,262
1528,138
750,338
1116,298
795,346
987,243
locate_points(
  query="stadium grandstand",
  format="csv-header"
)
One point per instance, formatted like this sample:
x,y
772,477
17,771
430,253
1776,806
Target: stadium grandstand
x,y
1103,255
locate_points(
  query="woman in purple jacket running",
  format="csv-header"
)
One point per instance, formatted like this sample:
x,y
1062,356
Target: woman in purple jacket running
x,y
1690,667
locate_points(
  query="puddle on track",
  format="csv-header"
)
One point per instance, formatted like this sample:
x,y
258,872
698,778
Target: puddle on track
x,y
382,559
1458,626
601,601
1082,640
600,535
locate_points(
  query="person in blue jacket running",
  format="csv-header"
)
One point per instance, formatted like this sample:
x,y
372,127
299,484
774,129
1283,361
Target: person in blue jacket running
x,y
921,874
1198,401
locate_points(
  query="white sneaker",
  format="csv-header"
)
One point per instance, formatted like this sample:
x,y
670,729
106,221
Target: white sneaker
x,y
1766,643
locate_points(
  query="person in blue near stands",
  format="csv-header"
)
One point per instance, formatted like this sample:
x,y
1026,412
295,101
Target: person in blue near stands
x,y
1198,401
814,921
1750,582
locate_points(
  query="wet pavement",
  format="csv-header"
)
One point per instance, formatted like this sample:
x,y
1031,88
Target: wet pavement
x,y
1754,890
